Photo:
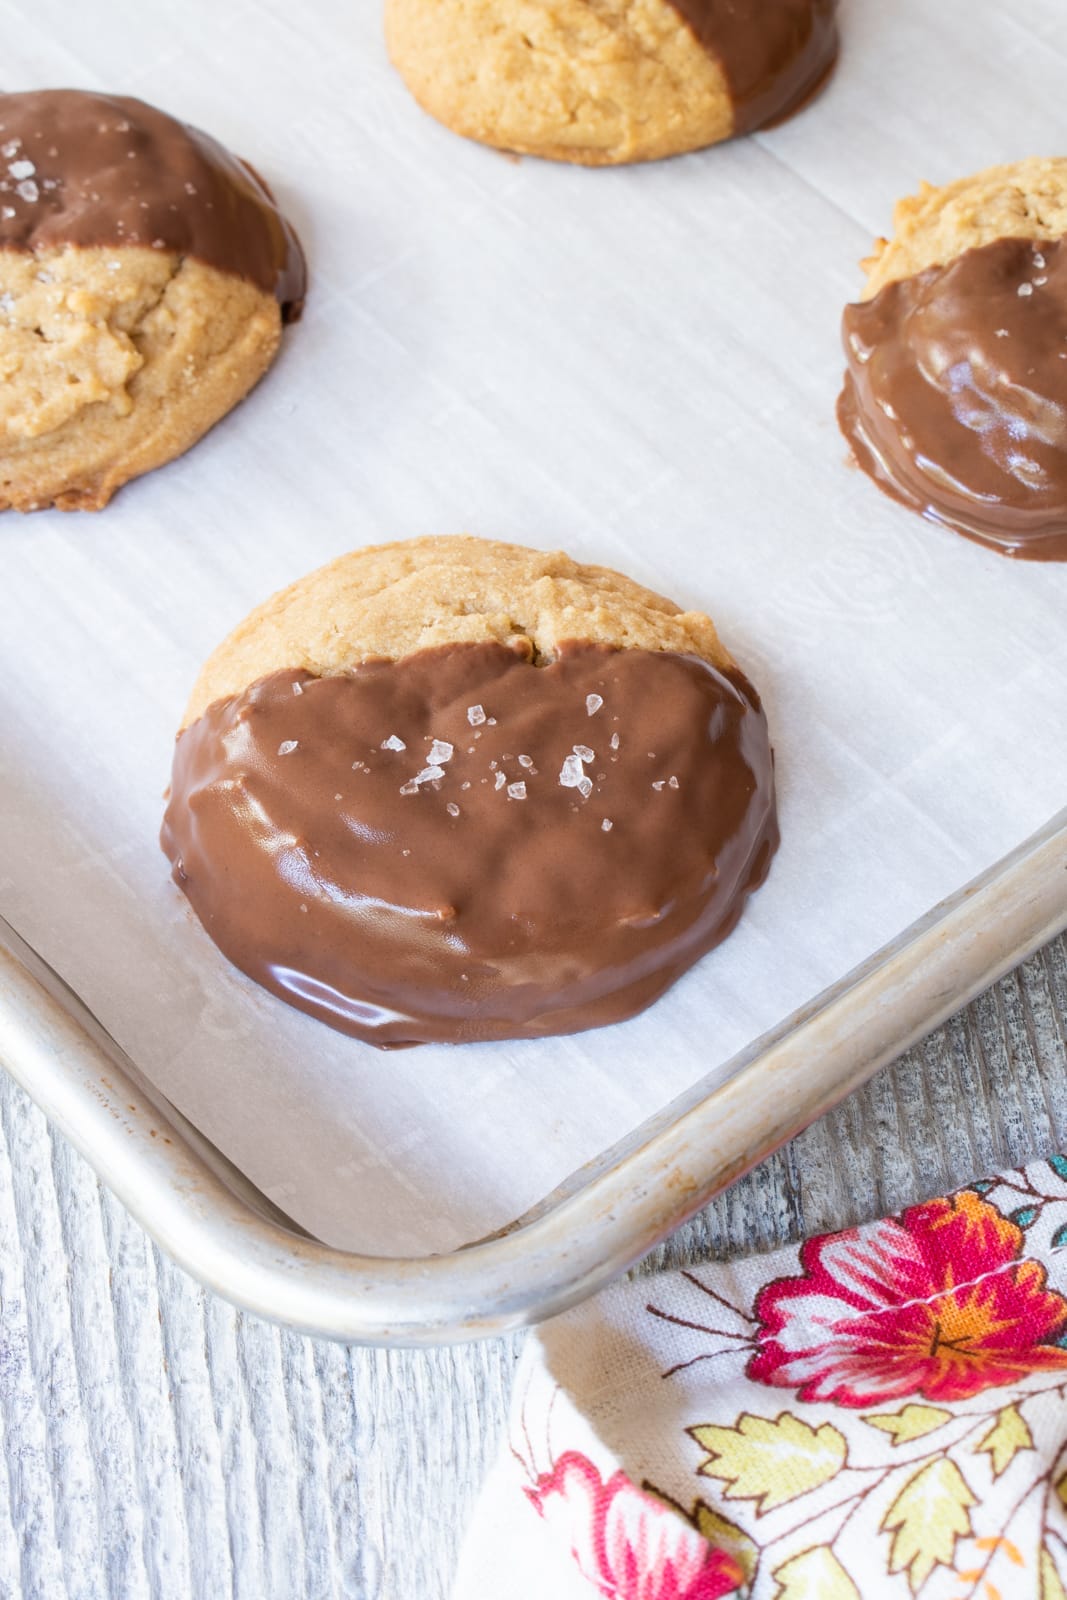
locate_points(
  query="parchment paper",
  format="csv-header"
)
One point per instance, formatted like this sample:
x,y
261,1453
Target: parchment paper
x,y
639,366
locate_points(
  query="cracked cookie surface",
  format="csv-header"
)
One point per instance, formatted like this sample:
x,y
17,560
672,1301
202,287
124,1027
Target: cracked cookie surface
x,y
1019,200
114,361
391,600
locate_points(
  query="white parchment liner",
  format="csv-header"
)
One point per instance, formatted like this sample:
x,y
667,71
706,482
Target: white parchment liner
x,y
638,366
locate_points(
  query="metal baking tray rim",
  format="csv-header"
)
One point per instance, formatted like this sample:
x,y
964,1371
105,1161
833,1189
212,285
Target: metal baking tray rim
x,y
210,1219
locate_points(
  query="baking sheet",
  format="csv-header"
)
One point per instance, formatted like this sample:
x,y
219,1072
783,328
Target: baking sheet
x,y
639,366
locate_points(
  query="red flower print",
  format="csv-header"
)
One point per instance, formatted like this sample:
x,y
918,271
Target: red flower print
x,y
630,1546
935,1302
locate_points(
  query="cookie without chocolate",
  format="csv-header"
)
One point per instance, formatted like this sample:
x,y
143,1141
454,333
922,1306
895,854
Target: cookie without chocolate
x,y
145,275
955,397
618,81
456,790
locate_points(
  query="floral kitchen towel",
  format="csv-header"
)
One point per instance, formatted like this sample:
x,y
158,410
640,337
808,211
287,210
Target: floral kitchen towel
x,y
877,1413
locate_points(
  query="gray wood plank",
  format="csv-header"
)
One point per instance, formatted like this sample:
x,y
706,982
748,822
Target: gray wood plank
x,y
157,1443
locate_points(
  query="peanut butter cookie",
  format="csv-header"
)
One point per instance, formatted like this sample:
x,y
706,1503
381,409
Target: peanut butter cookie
x,y
145,275
955,397
456,790
612,81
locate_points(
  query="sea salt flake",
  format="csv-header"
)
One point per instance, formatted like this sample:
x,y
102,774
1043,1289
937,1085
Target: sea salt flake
x,y
287,746
475,715
439,751
452,809
499,781
338,797
7,212
27,190
658,785
1039,260
672,782
393,743
583,752
593,703
22,169
11,148
607,825
1039,283
298,688
525,761
409,788
430,774
490,722
467,784
1002,333
571,773
614,741
585,788
1026,289
517,791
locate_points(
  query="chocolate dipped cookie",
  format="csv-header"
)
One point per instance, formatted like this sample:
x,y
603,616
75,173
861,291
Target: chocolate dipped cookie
x,y
955,396
145,275
619,81
451,790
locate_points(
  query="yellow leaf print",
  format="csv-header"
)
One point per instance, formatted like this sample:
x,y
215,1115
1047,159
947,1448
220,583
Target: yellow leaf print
x,y
913,1422
1051,1582
927,1517
726,1535
815,1575
770,1460
1008,1435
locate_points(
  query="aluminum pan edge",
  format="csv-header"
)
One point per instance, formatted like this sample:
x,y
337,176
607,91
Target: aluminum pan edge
x,y
206,1216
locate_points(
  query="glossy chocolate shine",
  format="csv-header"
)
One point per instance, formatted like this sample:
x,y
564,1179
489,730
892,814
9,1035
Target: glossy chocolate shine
x,y
456,889
955,398
102,170
775,53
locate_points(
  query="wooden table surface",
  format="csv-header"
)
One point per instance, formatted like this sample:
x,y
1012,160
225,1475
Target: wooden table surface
x,y
159,1444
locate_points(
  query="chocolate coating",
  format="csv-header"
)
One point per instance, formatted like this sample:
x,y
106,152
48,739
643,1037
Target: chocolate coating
x,y
955,398
462,907
104,170
775,53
